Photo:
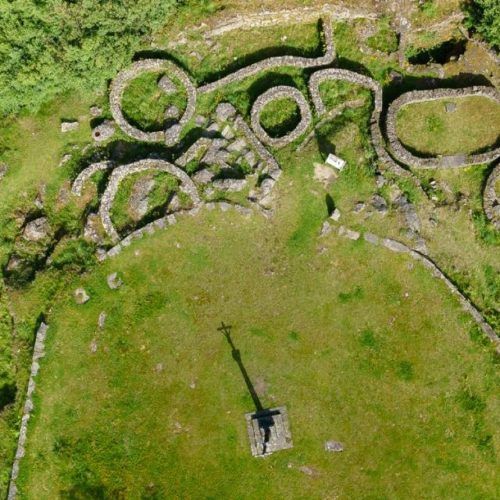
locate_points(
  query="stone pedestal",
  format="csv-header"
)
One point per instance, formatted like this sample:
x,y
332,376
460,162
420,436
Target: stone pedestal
x,y
268,431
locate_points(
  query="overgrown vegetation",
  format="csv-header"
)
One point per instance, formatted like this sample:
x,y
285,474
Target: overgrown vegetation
x,y
280,117
483,17
53,47
385,39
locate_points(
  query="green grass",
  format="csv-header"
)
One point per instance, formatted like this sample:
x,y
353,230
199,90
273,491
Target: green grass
x,y
360,344
280,117
385,39
144,103
121,212
358,369
427,128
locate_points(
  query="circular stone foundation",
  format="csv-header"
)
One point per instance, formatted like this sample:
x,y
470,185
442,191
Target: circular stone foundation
x,y
119,84
448,98
277,93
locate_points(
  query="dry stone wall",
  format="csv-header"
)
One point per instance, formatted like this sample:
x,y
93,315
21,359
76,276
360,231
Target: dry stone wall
x,y
275,93
279,61
459,160
38,353
86,174
120,173
119,84
491,197
398,247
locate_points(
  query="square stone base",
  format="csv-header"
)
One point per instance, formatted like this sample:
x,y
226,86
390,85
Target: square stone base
x,y
268,431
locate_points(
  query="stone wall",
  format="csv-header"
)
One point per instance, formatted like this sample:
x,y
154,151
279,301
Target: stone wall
x,y
491,198
344,75
275,93
377,138
398,247
86,174
119,85
120,173
275,62
406,157
38,353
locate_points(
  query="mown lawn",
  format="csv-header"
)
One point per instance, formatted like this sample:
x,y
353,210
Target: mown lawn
x,y
427,128
360,344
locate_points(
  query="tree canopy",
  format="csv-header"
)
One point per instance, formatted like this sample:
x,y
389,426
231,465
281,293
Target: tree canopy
x,y
483,17
48,47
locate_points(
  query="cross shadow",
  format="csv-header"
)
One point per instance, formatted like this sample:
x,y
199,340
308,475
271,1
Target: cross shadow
x,y
263,416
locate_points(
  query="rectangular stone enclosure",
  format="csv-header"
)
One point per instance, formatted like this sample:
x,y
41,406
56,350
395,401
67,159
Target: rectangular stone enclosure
x,y
268,431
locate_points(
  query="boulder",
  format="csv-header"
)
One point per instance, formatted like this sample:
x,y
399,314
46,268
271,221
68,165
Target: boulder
x,y
3,169
101,320
227,132
64,159
394,245
250,159
93,230
95,111
379,204
203,176
81,296
371,238
224,111
267,185
201,120
325,228
139,199
103,131
13,263
37,229
172,112
359,207
68,126
334,446
237,146
114,281
230,184
167,85
335,215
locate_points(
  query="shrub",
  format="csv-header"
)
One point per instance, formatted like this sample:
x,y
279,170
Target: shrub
x,y
55,46
483,17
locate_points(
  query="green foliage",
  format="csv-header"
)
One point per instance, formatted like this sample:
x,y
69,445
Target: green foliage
x,y
144,103
52,47
76,255
7,381
386,39
485,229
483,17
280,117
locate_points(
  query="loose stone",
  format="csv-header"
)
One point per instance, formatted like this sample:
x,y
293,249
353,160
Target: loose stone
x,y
69,126
81,296
114,281
334,446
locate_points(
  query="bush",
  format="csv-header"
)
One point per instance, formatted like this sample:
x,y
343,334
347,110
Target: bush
x,y
483,17
55,46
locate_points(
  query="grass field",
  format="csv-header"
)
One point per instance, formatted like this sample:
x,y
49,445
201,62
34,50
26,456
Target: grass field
x,y
338,332
427,128
362,345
